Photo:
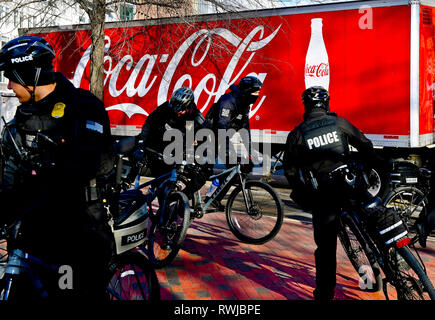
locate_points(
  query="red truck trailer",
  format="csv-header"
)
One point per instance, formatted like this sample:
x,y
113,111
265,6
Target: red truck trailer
x,y
375,57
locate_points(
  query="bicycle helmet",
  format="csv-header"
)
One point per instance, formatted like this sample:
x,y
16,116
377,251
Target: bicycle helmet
x,y
315,97
249,84
182,99
28,60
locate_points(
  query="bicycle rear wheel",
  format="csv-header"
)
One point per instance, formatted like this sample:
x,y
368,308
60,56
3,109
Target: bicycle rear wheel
x,y
132,277
257,220
3,262
410,279
409,202
165,239
360,254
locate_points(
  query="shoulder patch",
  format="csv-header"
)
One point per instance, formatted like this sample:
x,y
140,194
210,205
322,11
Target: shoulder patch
x,y
58,110
94,126
225,113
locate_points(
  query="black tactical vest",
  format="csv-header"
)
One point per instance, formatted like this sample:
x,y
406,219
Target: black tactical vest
x,y
323,138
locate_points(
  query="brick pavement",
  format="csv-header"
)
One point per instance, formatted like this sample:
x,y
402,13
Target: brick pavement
x,y
214,265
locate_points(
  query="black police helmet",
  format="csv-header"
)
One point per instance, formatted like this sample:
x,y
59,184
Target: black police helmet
x,y
28,60
250,84
315,97
182,99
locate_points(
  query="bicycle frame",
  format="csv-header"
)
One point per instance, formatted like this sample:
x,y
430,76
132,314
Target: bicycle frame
x,y
19,262
381,254
156,186
424,188
232,173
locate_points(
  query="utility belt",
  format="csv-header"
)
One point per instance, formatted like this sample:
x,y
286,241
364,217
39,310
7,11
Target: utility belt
x,y
343,172
339,175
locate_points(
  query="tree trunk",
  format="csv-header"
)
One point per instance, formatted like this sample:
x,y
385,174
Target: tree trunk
x,y
97,52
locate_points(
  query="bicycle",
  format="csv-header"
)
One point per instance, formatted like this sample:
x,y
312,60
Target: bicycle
x,y
169,223
375,239
410,196
254,211
130,276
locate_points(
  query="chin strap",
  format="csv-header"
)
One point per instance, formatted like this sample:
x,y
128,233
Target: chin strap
x,y
21,81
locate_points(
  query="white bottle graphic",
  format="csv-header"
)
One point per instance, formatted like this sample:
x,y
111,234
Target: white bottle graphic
x,y
316,61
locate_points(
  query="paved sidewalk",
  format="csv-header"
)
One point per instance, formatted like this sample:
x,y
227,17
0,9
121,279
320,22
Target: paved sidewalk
x,y
213,264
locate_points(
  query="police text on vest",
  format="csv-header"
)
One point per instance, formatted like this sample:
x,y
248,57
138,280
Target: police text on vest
x,y
323,140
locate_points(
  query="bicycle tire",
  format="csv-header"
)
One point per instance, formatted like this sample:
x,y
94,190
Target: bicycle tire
x,y
353,243
132,277
3,251
408,202
250,227
165,239
410,279
2,288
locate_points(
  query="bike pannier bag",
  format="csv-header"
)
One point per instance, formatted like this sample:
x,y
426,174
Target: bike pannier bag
x,y
131,228
385,225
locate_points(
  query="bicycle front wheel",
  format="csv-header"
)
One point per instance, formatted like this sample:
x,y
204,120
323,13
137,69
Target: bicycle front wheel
x,y
410,279
132,277
254,216
360,255
166,239
409,202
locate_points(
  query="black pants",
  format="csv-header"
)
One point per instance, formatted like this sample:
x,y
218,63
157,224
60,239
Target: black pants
x,y
428,221
325,223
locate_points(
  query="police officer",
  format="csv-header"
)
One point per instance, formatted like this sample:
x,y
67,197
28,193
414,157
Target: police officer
x,y
318,146
179,113
425,225
52,179
231,111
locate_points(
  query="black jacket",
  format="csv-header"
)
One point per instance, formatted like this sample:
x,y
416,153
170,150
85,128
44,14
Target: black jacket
x,y
78,124
322,161
52,187
164,118
232,111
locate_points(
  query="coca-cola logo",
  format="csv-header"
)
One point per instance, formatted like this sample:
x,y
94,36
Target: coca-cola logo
x,y
320,70
209,87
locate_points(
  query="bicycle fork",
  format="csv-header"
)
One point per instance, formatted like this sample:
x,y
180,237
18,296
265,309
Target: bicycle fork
x,y
13,269
16,264
247,196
